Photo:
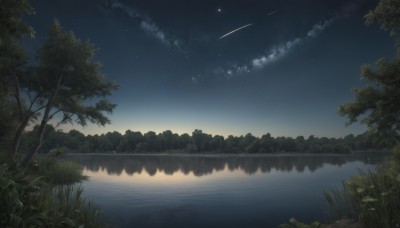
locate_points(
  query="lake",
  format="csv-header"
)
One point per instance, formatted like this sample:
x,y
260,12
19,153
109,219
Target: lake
x,y
215,190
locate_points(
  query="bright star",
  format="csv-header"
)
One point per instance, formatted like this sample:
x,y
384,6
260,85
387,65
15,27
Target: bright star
x,y
219,10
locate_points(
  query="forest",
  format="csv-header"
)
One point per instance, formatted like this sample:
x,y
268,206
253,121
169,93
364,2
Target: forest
x,y
198,142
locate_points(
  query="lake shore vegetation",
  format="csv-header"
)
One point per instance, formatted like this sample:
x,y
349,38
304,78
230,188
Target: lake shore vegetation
x,y
46,194
63,79
372,197
42,191
198,142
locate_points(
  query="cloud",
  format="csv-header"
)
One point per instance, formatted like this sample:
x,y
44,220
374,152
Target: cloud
x,y
282,50
152,29
146,23
275,53
270,56
319,28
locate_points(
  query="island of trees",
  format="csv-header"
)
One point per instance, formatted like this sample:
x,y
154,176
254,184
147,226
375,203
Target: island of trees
x,y
198,142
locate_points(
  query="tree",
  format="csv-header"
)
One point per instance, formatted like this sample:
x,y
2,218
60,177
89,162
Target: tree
x,y
387,13
218,143
12,29
184,140
150,140
63,85
378,103
198,139
246,141
12,58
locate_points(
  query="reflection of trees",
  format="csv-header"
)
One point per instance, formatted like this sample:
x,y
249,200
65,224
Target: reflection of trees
x,y
203,165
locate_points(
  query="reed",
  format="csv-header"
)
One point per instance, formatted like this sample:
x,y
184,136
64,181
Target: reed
x,y
60,172
372,197
32,198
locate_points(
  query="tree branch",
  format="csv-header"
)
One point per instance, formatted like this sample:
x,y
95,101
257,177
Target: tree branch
x,y
18,98
52,115
66,117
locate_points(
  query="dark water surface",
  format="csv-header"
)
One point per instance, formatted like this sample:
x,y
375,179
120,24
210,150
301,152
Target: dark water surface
x,y
180,191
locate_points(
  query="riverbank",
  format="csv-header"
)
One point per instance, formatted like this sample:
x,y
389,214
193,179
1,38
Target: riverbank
x,y
217,153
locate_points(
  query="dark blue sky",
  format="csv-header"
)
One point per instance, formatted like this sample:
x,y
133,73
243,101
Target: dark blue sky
x,y
286,73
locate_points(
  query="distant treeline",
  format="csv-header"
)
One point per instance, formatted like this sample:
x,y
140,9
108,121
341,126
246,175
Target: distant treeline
x,y
198,142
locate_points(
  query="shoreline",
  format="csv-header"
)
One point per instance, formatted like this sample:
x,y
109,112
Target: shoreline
x,y
230,154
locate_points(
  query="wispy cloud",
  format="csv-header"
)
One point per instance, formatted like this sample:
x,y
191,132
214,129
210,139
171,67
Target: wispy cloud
x,y
146,23
275,53
270,56
282,50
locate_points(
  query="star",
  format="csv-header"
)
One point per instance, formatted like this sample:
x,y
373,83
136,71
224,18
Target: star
x,y
219,10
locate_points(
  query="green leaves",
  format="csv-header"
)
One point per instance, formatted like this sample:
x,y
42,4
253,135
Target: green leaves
x,y
72,78
10,19
387,14
378,103
27,201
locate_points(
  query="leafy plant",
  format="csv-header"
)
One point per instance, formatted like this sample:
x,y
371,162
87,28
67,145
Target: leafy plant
x,y
29,199
58,172
296,224
371,197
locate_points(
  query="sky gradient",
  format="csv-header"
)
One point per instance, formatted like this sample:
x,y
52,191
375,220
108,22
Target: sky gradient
x,y
285,73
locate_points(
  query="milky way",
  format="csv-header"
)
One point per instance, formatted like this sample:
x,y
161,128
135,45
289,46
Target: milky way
x,y
226,67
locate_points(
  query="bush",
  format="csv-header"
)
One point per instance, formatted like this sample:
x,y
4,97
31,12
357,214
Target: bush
x,y
57,172
371,197
40,196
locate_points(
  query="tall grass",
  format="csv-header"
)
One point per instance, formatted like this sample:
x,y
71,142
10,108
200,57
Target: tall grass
x,y
372,197
34,199
69,202
59,172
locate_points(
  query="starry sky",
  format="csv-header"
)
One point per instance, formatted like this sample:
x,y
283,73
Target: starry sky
x,y
285,71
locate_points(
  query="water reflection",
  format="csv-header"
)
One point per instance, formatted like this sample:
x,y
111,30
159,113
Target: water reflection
x,y
201,165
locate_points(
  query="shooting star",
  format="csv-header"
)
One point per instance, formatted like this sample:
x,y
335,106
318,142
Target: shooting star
x,y
229,33
273,12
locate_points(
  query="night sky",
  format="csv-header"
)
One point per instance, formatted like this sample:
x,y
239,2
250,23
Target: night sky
x,y
285,73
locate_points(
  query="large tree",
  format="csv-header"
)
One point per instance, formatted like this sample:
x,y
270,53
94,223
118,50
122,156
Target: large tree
x,y
378,103
65,86
12,58
12,29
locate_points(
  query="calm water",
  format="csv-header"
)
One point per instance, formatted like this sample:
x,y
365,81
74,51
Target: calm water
x,y
215,191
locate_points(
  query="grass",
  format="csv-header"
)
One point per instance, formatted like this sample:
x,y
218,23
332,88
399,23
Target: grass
x,y
45,196
69,202
372,197
58,172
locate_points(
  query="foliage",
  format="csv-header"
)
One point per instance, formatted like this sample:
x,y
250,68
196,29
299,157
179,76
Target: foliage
x,y
381,99
198,142
8,123
58,172
12,29
372,197
339,203
64,82
387,14
65,78
12,58
81,212
378,103
296,224
28,200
